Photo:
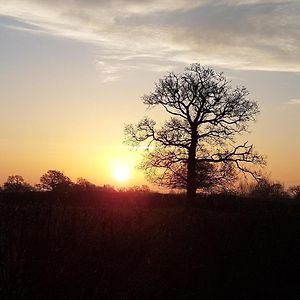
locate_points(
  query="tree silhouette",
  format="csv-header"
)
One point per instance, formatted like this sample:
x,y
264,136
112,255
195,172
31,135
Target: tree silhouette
x,y
208,176
16,183
294,192
265,188
83,184
206,115
54,180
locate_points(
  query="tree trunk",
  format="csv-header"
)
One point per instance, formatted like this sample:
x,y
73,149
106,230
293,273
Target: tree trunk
x,y
191,187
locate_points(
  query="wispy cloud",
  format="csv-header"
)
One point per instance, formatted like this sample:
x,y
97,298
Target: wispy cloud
x,y
294,101
251,35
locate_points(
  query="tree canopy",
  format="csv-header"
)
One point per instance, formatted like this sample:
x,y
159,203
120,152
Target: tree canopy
x,y
16,183
54,180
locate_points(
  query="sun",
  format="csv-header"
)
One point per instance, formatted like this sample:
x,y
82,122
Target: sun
x,y
121,173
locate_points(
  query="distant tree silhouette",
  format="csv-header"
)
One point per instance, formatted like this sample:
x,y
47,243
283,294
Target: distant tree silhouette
x,y
108,188
84,185
206,115
136,189
16,183
265,188
294,192
54,180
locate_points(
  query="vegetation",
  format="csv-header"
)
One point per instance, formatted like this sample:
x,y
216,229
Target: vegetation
x,y
81,241
133,245
65,240
57,181
206,115
16,183
54,181
294,192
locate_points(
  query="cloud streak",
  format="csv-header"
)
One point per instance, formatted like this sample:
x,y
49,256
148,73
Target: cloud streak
x,y
294,101
250,35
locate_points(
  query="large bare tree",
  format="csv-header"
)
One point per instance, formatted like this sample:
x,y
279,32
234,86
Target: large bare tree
x,y
206,116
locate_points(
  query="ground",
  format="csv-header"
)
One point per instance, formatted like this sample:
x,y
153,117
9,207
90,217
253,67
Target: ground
x,y
147,246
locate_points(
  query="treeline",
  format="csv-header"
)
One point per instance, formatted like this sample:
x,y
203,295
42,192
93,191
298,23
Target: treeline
x,y
57,181
268,189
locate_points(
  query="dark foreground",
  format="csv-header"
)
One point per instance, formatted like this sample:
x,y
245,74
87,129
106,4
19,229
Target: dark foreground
x,y
136,246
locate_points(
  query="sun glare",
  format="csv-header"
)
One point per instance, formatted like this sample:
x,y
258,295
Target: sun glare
x,y
121,173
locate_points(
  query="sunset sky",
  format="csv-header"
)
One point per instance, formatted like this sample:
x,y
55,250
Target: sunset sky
x,y
72,73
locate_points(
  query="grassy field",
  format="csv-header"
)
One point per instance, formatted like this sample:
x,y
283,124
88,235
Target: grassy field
x,y
147,246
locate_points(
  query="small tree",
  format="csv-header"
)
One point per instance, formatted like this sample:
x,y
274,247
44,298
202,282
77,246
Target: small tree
x,y
265,188
54,180
16,183
84,185
206,115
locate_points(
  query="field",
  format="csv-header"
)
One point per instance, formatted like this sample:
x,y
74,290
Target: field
x,y
147,246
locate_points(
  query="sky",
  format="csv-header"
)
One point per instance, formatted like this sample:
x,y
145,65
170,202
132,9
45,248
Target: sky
x,y
72,73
